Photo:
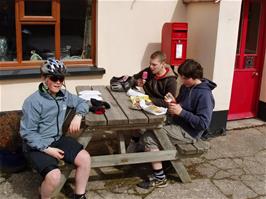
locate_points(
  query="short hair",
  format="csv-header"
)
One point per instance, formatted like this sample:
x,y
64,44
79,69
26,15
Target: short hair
x,y
191,69
160,55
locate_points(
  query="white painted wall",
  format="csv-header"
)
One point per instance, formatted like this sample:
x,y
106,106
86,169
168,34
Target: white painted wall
x,y
128,31
263,82
213,31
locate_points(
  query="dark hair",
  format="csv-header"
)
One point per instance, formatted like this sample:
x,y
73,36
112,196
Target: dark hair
x,y
160,55
191,69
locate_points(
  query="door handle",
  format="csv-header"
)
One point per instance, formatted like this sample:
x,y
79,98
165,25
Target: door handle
x,y
255,74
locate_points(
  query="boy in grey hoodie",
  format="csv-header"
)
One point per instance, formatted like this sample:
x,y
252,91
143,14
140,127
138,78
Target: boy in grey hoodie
x,y
41,130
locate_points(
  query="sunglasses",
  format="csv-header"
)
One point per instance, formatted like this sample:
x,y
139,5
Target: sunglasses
x,y
57,78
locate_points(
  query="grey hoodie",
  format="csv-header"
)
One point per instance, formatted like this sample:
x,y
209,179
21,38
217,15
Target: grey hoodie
x,y
43,116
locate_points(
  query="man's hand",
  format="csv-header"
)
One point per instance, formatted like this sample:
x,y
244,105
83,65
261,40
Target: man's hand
x,y
54,152
75,124
141,82
174,109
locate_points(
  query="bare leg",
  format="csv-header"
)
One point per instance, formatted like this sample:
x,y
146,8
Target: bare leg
x,y
50,183
83,164
155,165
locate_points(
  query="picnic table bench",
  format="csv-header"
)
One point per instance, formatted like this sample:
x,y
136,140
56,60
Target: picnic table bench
x,y
120,118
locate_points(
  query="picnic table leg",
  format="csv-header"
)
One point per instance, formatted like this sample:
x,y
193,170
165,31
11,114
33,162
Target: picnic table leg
x,y
181,171
122,145
84,139
177,164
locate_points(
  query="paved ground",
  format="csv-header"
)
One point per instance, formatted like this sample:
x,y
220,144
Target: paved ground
x,y
234,167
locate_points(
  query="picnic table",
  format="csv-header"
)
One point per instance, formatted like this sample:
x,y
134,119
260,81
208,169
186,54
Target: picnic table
x,y
118,119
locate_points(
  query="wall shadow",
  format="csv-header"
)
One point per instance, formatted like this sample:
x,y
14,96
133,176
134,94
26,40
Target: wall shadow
x,y
151,47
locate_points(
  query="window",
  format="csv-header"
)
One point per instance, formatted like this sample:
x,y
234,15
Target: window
x,y
34,30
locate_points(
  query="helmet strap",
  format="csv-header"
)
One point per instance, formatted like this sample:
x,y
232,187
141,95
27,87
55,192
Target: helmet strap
x,y
45,85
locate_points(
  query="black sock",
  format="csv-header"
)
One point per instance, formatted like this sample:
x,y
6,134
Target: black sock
x,y
79,196
159,174
135,138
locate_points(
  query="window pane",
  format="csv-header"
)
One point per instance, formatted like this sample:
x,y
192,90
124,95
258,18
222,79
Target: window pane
x,y
76,29
7,30
38,7
38,42
253,27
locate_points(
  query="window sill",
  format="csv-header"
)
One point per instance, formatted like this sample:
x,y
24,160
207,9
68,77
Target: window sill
x,y
35,72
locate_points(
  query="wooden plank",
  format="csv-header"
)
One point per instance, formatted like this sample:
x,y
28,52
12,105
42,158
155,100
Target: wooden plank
x,y
163,138
201,146
123,127
132,158
181,171
85,138
155,118
92,119
179,167
114,115
186,149
82,88
183,148
134,116
122,143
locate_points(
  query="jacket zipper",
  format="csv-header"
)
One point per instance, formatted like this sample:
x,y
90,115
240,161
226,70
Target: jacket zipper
x,y
57,117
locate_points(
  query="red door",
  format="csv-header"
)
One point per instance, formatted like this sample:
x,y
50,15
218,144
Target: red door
x,y
249,60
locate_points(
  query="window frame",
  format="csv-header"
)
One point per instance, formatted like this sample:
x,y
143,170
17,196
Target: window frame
x,y
22,19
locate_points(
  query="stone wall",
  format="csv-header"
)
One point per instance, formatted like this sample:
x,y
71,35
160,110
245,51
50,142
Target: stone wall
x,y
9,130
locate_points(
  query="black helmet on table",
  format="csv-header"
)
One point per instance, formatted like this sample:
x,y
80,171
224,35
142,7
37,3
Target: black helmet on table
x,y
121,84
53,67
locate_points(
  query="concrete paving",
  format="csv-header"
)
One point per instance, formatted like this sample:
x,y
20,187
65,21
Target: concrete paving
x,y
234,168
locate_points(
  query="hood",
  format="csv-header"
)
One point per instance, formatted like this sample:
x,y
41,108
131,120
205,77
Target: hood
x,y
206,84
169,73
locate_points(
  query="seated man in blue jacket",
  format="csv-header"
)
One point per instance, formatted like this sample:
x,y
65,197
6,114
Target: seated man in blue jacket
x,y
41,130
191,111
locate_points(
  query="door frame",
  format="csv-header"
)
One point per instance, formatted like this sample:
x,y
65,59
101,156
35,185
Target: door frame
x,y
261,46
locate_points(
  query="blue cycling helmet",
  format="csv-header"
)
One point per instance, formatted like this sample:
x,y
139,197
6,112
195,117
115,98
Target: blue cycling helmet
x,y
53,67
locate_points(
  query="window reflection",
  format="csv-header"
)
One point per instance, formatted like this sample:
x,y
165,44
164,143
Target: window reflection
x,y
76,31
253,27
7,31
38,8
38,42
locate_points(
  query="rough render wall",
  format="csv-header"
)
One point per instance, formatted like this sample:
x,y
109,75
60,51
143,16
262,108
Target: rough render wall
x,y
212,42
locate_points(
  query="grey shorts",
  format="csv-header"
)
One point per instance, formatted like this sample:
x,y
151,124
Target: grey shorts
x,y
151,142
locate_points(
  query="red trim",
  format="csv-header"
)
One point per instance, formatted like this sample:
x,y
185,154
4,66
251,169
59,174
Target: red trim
x,y
163,75
241,116
243,36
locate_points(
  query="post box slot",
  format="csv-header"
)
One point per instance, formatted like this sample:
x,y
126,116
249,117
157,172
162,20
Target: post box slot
x,y
179,35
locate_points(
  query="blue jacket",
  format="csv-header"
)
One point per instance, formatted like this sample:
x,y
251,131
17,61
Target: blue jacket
x,y
197,103
43,116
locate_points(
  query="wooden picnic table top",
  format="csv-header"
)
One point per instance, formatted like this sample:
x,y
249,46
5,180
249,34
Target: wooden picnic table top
x,y
120,116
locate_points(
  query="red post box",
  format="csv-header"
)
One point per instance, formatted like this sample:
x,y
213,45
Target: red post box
x,y
174,42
